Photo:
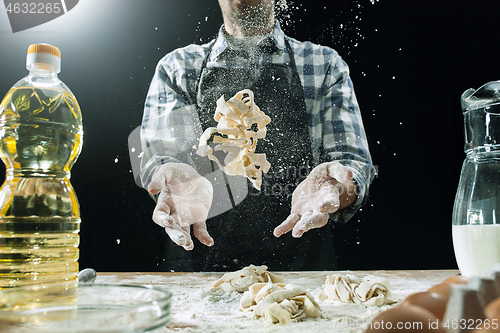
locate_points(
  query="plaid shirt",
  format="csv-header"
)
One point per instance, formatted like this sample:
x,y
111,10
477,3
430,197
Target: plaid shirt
x,y
170,129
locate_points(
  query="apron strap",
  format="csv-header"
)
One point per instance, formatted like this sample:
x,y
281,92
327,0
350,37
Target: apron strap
x,y
203,65
290,55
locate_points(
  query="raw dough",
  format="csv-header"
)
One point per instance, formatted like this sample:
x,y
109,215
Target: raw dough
x,y
279,303
371,290
235,135
241,280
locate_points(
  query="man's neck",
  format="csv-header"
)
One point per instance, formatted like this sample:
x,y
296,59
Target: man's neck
x,y
239,30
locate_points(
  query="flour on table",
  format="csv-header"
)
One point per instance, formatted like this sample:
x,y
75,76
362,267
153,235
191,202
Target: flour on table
x,y
196,310
241,280
371,290
236,135
279,303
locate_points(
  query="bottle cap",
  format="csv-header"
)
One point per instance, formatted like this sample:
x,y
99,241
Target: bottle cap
x,y
43,54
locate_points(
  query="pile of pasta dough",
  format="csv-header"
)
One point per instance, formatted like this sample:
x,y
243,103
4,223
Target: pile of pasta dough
x,y
265,296
241,280
237,135
371,290
279,303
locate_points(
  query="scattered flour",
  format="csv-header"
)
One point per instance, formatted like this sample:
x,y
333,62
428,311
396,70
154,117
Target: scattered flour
x,y
196,307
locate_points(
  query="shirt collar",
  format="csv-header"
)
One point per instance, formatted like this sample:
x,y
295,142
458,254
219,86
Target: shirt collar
x,y
277,40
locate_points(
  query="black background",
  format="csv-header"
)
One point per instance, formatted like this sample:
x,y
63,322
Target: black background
x,y
410,61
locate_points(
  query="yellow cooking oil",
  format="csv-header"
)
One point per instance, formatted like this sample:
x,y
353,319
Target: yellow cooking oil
x,y
41,137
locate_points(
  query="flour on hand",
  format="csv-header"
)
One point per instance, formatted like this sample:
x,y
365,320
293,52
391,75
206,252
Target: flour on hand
x,y
371,290
279,303
237,136
241,280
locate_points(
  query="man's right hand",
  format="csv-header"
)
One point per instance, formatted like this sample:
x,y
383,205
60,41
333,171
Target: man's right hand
x,y
185,199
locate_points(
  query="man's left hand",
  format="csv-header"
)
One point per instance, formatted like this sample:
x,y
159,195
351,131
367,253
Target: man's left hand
x,y
328,188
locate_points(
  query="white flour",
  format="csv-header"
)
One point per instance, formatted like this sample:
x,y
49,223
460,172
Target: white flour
x,y
196,308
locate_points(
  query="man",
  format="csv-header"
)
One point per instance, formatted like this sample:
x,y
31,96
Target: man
x,y
315,143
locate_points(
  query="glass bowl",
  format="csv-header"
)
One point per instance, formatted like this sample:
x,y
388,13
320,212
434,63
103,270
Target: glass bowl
x,y
93,307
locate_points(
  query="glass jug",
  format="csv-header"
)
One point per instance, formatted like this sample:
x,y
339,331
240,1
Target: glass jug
x,y
476,212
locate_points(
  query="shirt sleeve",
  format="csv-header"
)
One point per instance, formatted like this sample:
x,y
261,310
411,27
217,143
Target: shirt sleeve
x,y
170,125
344,137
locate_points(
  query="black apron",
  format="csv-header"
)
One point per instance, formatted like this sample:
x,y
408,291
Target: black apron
x,y
243,235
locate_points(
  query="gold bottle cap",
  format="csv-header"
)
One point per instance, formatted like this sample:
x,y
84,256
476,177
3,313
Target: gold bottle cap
x,y
44,54
44,48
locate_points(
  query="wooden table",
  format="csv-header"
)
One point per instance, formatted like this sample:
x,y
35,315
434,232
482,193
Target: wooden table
x,y
197,308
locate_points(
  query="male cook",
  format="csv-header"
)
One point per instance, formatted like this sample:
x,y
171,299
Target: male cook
x,y
315,142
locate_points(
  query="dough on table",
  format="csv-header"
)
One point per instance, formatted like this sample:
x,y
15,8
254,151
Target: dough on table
x,y
241,280
237,136
279,303
371,290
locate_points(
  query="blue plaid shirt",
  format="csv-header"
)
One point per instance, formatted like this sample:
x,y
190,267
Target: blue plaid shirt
x,y
171,130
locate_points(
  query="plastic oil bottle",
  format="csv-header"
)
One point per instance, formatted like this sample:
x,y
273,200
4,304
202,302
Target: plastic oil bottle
x,y
41,136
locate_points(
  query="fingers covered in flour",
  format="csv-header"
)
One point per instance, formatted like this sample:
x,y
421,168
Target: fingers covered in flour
x,y
179,234
308,221
201,233
287,225
165,216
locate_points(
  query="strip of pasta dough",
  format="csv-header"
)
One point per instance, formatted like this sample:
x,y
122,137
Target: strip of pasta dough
x,y
236,136
241,280
371,290
279,303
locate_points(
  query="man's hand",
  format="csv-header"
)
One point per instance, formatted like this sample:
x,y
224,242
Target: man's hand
x,y
328,188
185,199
